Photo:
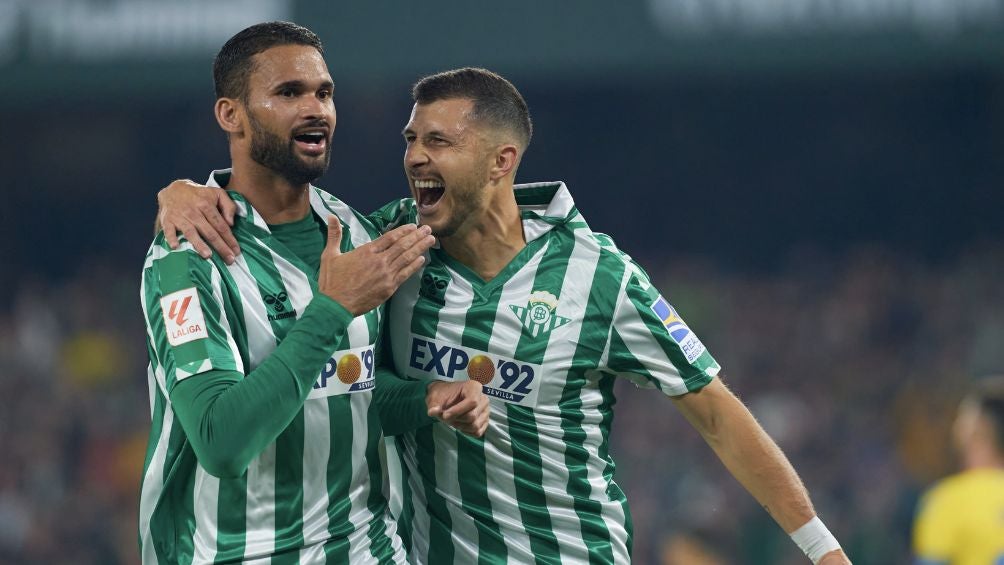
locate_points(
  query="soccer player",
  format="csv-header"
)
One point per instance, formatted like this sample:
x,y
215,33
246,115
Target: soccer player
x,y
263,374
960,521
522,297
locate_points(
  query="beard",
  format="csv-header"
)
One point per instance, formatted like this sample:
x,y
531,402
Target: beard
x,y
273,152
468,195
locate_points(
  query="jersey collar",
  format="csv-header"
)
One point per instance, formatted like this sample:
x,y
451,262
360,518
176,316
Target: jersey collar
x,y
542,206
220,178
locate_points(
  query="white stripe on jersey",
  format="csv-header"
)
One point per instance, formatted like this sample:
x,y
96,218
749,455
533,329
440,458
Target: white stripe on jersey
x,y
153,486
501,484
459,294
612,512
261,340
564,519
626,316
359,234
311,554
217,281
260,509
316,454
359,513
206,506
207,487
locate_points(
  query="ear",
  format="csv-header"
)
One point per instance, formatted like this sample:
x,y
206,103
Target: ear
x,y
506,159
230,115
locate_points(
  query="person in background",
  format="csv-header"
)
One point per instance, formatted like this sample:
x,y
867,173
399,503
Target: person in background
x,y
960,520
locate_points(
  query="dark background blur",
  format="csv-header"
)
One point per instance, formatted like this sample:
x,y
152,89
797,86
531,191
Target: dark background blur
x,y
815,185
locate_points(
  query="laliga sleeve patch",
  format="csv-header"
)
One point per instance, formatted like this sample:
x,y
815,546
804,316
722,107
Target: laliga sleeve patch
x,y
183,318
689,343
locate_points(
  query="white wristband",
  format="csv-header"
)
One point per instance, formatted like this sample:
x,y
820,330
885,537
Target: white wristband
x,y
814,539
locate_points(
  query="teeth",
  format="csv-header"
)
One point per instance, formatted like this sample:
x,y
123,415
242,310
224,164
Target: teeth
x,y
428,184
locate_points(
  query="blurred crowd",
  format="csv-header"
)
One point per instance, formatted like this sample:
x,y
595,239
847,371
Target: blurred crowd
x,y
852,363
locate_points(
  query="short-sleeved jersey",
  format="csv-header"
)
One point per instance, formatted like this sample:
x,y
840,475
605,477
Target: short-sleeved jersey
x,y
313,495
960,521
547,337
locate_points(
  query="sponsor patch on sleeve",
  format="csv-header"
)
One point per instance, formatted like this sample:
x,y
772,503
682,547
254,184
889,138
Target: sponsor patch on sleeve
x,y
689,343
183,318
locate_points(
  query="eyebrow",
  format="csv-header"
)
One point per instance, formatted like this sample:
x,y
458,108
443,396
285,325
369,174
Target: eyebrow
x,y
433,133
300,85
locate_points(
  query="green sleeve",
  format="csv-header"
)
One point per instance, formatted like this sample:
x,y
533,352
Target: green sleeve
x,y
394,214
229,418
400,402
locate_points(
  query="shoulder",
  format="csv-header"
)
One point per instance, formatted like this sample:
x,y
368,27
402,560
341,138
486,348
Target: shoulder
x,y
332,203
324,203
395,213
609,257
954,489
160,259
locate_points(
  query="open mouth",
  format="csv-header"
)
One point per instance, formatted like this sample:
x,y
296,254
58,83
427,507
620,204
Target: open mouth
x,y
313,142
428,193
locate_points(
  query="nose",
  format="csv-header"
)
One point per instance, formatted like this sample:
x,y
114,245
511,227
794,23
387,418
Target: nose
x,y
415,156
314,108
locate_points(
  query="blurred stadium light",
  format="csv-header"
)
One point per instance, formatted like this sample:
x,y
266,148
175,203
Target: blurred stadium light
x,y
146,45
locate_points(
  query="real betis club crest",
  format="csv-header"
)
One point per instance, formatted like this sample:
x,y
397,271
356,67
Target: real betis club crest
x,y
538,316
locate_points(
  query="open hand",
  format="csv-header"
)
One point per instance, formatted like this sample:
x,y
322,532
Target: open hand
x,y
362,279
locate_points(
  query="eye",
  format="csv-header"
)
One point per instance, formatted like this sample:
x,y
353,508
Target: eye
x,y
324,94
287,93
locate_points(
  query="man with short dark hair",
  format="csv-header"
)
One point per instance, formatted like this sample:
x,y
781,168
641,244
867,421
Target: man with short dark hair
x,y
960,520
522,297
264,387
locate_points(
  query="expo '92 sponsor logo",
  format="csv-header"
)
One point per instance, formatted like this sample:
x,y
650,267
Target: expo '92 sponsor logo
x,y
507,379
346,371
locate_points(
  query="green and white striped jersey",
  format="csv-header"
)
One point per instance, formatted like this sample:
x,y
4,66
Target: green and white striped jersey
x,y
547,337
313,495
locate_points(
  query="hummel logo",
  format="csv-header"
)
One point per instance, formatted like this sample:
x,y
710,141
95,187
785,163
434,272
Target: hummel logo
x,y
276,301
433,287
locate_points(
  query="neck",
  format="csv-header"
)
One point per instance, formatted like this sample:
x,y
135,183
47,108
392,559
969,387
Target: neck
x,y
488,243
275,198
983,457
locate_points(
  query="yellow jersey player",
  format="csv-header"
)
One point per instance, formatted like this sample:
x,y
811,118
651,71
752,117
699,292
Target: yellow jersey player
x,y
960,520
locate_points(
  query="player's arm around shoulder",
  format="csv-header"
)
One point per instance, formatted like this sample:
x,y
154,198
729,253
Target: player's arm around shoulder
x,y
759,465
203,214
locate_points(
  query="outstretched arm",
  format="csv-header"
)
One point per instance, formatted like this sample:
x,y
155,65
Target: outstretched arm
x,y
758,464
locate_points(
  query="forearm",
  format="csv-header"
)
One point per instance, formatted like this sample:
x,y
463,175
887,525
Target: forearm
x,y
748,453
762,468
230,418
400,402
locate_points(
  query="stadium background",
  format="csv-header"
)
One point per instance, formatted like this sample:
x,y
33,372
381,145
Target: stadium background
x,y
815,185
